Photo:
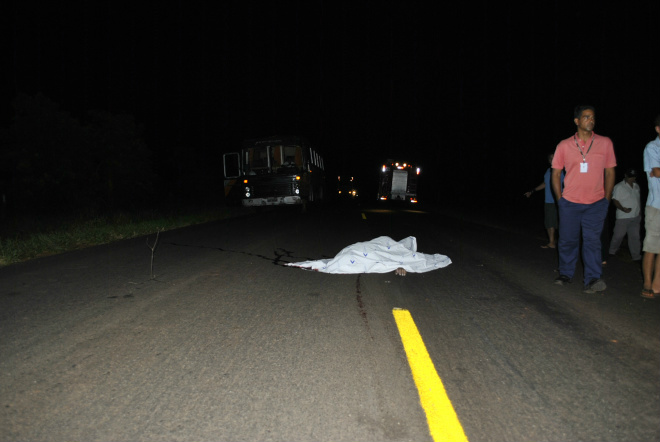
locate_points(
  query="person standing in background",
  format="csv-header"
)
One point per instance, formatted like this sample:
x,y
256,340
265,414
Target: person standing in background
x,y
551,219
626,198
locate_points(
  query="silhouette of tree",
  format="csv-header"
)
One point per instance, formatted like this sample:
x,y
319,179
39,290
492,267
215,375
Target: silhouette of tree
x,y
53,162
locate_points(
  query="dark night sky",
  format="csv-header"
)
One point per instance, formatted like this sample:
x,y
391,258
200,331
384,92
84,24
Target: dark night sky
x,y
470,89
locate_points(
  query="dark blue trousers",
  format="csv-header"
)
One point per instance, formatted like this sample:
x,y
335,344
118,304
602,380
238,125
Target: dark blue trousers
x,y
587,219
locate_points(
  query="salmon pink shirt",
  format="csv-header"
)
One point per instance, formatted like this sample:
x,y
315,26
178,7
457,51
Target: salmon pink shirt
x,y
584,187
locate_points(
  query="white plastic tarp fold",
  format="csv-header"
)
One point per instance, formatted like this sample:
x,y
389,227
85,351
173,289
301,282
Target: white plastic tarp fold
x,y
380,255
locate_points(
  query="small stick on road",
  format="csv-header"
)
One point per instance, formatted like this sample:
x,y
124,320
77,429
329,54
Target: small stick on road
x,y
153,250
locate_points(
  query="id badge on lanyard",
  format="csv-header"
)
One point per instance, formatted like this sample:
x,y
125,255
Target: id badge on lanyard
x,y
584,166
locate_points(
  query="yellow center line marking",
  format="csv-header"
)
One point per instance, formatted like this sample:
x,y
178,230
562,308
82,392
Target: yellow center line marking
x,y
440,415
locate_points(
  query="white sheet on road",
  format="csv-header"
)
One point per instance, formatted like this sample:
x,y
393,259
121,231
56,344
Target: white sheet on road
x,y
380,255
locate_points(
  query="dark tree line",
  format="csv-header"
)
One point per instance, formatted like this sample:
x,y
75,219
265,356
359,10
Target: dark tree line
x,y
51,162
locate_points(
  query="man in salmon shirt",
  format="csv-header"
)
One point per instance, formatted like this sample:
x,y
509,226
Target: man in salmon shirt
x,y
589,162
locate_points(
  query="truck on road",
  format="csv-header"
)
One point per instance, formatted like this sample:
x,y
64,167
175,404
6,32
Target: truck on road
x,y
398,182
274,171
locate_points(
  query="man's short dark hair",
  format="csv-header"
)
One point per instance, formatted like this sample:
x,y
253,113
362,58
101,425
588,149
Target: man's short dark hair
x,y
657,120
579,109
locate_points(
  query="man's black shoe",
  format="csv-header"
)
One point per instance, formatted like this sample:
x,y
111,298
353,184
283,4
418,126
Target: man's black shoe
x,y
595,285
562,279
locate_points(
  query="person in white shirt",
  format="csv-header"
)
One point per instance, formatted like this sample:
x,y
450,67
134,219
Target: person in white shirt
x,y
626,198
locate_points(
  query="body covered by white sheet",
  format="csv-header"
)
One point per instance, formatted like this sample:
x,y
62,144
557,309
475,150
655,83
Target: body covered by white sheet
x,y
380,255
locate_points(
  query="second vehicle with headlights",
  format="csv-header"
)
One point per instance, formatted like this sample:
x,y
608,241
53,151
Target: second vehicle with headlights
x,y
398,182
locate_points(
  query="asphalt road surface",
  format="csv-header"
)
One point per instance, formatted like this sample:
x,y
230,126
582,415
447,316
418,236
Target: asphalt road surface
x,y
226,343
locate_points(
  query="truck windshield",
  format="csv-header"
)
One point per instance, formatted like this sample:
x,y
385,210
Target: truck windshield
x,y
291,158
258,160
273,159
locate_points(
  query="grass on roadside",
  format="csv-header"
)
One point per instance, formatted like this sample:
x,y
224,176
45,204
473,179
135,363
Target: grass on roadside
x,y
38,238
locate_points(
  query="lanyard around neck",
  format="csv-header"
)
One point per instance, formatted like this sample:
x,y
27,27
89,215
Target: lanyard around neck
x,y
584,155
